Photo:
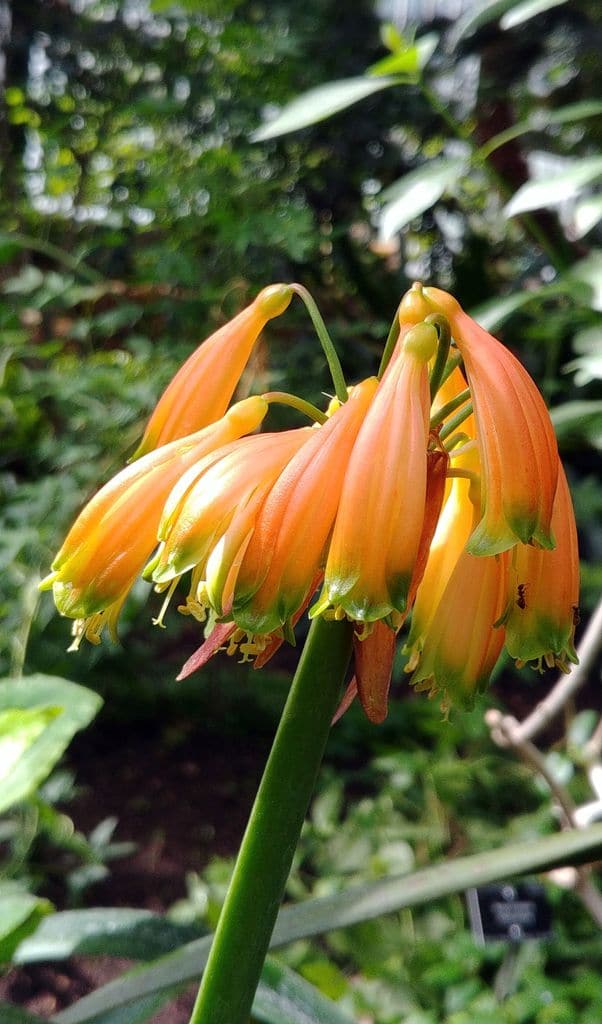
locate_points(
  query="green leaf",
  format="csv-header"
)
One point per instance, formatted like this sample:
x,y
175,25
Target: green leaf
x,y
588,272
12,1015
571,112
550,191
588,213
138,934
492,314
283,997
409,60
527,10
473,20
541,119
139,1011
588,364
579,422
415,193
358,903
55,710
20,914
320,103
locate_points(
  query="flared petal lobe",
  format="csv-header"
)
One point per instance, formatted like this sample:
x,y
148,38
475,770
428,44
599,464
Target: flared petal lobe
x,y
116,532
544,592
463,639
380,520
517,446
287,548
201,390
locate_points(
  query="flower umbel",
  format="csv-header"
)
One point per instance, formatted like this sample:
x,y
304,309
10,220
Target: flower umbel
x,y
436,491
116,532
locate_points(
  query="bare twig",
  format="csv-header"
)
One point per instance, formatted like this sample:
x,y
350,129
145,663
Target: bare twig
x,y
567,685
507,732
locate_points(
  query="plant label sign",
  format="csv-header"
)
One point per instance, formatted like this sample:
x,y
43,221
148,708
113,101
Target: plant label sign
x,y
513,911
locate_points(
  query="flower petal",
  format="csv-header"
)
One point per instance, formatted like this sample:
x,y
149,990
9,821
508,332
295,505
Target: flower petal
x,y
545,592
201,390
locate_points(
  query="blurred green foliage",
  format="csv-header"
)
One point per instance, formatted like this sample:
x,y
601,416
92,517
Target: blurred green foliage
x,y
147,193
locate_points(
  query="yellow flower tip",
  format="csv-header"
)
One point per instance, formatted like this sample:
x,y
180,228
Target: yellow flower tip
x,y
421,342
414,306
247,415
274,300
442,302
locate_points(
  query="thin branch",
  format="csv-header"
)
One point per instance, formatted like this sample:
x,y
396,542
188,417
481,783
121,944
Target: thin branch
x,y
506,732
567,685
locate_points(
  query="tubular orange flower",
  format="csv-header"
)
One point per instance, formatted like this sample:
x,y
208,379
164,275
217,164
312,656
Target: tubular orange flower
x,y
453,527
544,592
116,532
202,388
519,455
380,519
211,513
463,640
287,548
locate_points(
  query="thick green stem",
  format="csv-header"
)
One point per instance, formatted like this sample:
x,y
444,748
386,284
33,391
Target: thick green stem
x,y
332,358
263,864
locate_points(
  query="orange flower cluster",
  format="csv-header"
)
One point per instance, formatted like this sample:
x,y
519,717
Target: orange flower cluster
x,y
435,490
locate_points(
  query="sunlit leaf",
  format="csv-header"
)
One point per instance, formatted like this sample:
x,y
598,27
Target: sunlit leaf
x,y
588,213
320,103
20,914
474,19
43,714
527,10
358,903
407,61
588,272
115,931
550,191
588,364
415,193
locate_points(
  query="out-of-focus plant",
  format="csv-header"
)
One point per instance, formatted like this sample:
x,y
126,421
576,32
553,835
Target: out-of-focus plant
x,y
128,176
